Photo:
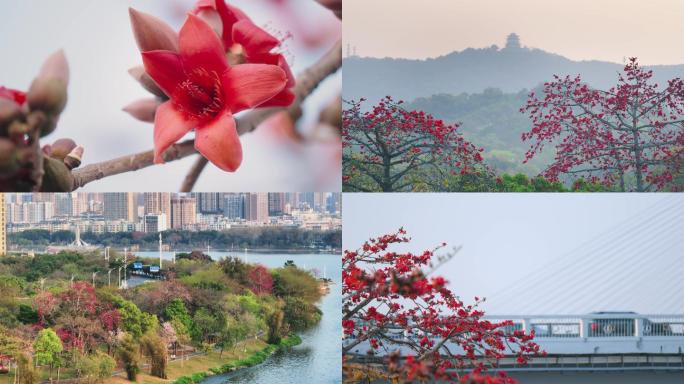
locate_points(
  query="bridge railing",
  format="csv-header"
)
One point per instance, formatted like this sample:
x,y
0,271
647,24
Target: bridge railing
x,y
599,325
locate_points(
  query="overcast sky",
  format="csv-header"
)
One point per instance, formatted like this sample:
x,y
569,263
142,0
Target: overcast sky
x,y
99,45
510,239
579,29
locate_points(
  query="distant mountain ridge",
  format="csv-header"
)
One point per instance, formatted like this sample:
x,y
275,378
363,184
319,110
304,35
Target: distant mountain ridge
x,y
510,69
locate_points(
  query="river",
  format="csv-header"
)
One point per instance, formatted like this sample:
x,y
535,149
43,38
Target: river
x,y
318,359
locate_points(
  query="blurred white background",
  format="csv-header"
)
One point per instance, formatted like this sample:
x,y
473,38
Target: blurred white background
x,y
100,47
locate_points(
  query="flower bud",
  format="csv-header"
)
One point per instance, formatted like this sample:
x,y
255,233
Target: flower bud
x,y
48,91
57,178
48,95
146,81
61,148
73,159
151,33
143,109
8,157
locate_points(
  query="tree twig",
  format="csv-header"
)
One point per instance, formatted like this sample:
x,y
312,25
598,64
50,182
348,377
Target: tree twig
x,y
194,174
307,82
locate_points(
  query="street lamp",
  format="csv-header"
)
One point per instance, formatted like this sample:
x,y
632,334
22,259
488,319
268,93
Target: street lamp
x,y
109,277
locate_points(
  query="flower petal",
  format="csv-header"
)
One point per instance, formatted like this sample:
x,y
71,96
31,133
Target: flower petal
x,y
250,85
283,99
219,142
151,33
200,46
169,126
165,68
18,97
253,39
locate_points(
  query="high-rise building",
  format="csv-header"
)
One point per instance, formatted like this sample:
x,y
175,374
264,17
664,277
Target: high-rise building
x,y
155,223
209,202
306,200
157,203
256,207
234,205
79,203
120,206
3,226
183,212
320,201
63,204
276,204
333,203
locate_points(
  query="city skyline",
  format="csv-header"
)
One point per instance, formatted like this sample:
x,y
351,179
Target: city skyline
x,y
158,212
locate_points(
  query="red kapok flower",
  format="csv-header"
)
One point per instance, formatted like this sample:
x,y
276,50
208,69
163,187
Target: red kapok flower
x,y
18,97
243,38
205,92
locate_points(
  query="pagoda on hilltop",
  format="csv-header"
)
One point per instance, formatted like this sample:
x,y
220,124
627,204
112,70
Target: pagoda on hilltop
x,y
513,42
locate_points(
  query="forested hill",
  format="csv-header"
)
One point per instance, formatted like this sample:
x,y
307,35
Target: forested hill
x,y
474,70
491,120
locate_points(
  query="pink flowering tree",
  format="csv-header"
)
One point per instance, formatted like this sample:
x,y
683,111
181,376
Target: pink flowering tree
x,y
218,65
630,136
390,149
392,303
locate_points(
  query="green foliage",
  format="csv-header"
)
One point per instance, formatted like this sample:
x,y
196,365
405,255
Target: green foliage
x,y
277,328
206,324
291,281
27,315
198,377
27,374
176,311
300,314
257,237
133,320
95,368
127,353
155,348
47,348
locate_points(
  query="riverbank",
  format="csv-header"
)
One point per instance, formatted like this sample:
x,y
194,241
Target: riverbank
x,y
255,358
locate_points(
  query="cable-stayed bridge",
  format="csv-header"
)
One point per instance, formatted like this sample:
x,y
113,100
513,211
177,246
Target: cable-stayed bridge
x,y
613,304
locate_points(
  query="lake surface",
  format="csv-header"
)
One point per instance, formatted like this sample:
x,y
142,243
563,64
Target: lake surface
x,y
319,358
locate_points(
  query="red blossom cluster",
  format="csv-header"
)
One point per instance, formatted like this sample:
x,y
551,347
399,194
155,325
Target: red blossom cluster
x,y
80,319
260,280
390,303
634,130
389,146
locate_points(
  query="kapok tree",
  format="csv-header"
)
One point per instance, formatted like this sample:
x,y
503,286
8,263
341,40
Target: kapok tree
x,y
390,303
630,136
389,148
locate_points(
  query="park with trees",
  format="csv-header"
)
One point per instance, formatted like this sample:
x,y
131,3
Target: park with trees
x,y
62,317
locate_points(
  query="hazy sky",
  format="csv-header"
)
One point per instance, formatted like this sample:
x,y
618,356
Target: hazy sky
x,y
511,239
579,29
100,48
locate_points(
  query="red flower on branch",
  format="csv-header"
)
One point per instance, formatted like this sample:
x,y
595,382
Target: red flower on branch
x,y
205,92
632,131
18,97
390,148
245,42
390,303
